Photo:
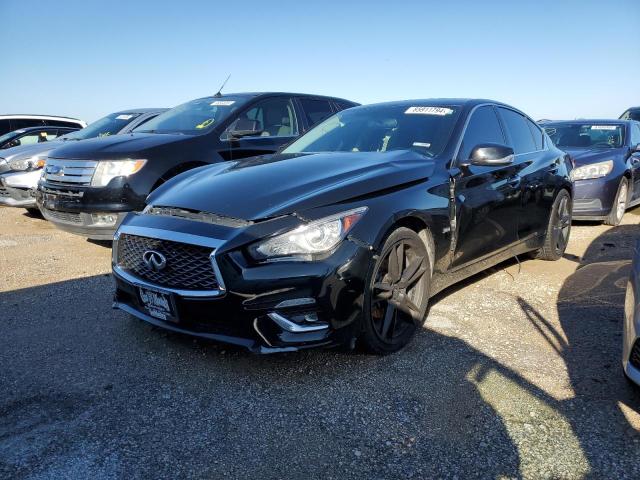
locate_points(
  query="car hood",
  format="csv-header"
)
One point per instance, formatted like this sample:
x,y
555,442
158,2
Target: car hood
x,y
269,186
22,151
128,145
586,156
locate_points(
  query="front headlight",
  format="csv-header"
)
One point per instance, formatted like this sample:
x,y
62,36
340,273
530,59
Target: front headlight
x,y
108,170
318,237
28,163
595,170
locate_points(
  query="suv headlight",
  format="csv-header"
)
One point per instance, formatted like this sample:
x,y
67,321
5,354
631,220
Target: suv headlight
x,y
107,170
28,163
595,170
318,237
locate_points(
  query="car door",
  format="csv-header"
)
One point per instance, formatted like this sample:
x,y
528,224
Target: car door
x,y
635,160
275,122
486,200
535,165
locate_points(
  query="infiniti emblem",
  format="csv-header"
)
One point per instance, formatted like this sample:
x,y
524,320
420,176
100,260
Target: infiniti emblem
x,y
154,260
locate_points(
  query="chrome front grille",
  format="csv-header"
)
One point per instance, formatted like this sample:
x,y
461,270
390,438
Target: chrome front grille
x,y
69,172
188,267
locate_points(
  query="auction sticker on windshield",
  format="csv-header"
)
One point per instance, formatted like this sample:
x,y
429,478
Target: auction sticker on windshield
x,y
441,111
158,304
604,127
222,103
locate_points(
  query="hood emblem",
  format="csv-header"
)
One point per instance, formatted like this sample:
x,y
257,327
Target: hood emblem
x,y
154,260
54,170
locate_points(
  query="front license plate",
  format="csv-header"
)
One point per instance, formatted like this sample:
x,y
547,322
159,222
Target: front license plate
x,y
158,304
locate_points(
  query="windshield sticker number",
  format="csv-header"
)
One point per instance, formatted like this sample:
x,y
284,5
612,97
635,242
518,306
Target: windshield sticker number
x,y
222,103
124,117
440,111
422,144
603,127
205,124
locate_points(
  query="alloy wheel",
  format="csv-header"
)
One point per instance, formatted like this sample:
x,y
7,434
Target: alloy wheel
x,y
399,296
621,201
562,224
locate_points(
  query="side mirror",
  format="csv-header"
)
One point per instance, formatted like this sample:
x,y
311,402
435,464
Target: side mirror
x,y
635,148
243,127
491,155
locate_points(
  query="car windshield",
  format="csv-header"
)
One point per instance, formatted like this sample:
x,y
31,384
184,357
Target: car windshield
x,y
109,125
10,135
193,117
381,128
585,135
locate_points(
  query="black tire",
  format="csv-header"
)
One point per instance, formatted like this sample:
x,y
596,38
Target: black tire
x,y
619,204
34,212
558,229
397,293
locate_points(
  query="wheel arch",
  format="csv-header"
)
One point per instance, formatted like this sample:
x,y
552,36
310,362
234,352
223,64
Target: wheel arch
x,y
176,170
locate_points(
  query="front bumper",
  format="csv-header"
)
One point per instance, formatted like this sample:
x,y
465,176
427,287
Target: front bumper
x,y
281,306
84,224
18,189
593,199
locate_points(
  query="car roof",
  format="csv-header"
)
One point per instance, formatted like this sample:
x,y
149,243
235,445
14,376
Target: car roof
x,y
43,127
603,121
267,94
139,110
38,117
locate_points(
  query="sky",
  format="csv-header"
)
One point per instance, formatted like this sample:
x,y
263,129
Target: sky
x,y
551,59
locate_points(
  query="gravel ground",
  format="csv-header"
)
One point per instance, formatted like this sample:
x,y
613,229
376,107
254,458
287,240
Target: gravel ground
x,y
515,375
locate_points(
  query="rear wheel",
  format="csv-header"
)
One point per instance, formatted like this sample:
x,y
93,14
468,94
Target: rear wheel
x,y
398,293
619,205
559,228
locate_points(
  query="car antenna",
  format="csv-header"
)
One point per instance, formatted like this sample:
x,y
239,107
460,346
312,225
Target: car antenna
x,y
219,94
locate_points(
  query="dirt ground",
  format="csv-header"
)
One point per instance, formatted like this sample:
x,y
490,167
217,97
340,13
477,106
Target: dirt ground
x,y
516,375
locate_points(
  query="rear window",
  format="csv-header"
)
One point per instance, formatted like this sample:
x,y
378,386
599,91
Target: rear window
x,y
519,132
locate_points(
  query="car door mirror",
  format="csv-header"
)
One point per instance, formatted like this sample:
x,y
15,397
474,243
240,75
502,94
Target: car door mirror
x,y
635,148
243,127
491,155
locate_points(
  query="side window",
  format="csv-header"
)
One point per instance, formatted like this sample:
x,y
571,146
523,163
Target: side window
x,y
518,130
315,110
537,134
635,134
5,126
29,139
273,117
483,127
19,123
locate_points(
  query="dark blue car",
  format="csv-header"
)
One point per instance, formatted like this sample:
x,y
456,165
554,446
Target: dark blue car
x,y
606,156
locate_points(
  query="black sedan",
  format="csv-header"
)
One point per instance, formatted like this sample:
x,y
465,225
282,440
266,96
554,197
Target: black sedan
x,y
31,135
345,235
606,154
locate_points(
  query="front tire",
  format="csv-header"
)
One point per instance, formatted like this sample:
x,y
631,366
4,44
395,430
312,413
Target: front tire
x,y
558,229
397,293
619,204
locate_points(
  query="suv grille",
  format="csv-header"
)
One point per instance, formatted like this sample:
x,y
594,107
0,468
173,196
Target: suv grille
x,y
69,172
188,266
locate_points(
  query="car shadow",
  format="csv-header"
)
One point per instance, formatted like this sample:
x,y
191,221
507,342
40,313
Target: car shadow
x,y
85,381
604,411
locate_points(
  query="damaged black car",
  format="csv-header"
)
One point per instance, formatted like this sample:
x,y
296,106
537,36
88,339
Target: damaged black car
x,y
343,237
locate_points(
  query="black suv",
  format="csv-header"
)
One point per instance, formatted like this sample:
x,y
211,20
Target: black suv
x,y
87,188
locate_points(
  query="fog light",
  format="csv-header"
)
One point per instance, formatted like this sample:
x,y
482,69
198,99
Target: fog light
x,y
104,219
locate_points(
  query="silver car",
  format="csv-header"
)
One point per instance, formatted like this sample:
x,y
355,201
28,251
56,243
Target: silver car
x,y
20,167
631,334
